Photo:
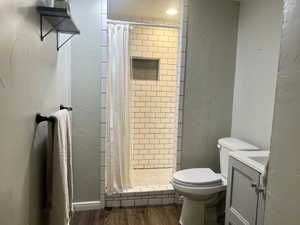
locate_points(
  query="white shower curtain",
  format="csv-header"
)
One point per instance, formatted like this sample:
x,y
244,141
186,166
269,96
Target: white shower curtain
x,y
118,148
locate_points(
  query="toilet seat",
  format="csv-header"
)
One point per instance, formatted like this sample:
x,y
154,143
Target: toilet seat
x,y
198,182
198,177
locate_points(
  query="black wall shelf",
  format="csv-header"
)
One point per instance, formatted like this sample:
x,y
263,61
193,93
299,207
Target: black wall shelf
x,y
61,22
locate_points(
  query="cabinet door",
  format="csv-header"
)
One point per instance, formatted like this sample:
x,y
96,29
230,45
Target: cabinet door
x,y
241,199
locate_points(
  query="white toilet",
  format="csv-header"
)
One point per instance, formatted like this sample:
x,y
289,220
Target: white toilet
x,y
199,185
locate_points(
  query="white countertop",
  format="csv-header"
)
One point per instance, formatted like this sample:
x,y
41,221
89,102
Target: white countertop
x,y
246,158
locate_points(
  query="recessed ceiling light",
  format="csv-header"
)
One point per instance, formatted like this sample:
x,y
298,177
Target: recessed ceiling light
x,y
171,11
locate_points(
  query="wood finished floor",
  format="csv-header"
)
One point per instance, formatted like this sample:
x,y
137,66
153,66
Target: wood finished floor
x,y
162,215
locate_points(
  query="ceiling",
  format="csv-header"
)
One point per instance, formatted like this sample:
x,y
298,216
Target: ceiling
x,y
142,8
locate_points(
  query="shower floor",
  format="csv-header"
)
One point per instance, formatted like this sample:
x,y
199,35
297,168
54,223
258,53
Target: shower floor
x,y
149,187
152,179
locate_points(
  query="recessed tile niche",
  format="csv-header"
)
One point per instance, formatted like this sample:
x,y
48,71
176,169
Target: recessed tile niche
x,y
144,68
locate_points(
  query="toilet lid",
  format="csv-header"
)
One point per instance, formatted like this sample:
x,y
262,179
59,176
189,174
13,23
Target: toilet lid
x,y
201,176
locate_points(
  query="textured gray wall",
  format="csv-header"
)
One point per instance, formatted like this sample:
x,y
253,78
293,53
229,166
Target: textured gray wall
x,y
86,101
212,33
256,70
34,78
282,206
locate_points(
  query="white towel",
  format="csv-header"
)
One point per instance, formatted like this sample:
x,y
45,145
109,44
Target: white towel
x,y
59,170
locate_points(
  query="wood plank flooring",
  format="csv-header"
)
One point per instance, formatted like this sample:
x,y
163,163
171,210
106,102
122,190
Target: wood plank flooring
x,y
162,215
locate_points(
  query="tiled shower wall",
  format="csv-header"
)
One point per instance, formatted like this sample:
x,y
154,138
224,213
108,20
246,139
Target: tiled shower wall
x,y
103,74
153,110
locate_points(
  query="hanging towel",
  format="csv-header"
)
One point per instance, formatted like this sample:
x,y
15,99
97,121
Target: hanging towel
x,y
59,170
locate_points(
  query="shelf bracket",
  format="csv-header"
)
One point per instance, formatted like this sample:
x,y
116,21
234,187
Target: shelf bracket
x,y
58,46
43,36
61,23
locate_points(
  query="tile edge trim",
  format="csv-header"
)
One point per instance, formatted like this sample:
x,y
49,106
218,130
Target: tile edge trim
x,y
84,206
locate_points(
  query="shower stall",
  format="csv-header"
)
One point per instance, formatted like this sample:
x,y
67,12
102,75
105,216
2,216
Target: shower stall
x,y
143,84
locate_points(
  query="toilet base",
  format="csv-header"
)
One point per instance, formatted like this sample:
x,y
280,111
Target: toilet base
x,y
193,212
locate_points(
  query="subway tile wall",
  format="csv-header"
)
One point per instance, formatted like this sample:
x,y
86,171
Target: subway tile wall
x,y
142,198
180,82
103,75
153,108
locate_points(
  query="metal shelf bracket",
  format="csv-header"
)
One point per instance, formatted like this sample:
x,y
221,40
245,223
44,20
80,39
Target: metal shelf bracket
x,y
43,36
60,21
58,45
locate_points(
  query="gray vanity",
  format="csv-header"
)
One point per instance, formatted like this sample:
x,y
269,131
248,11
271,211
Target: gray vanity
x,y
245,198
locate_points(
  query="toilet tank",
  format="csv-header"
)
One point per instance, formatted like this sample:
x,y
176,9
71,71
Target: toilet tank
x,y
229,144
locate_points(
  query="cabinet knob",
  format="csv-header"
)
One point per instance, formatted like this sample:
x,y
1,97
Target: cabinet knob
x,y
254,185
257,188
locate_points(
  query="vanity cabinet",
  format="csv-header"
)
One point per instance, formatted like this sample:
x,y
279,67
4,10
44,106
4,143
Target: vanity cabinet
x,y
244,199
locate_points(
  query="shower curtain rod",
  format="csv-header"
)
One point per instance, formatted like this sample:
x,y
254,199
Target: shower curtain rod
x,y
141,24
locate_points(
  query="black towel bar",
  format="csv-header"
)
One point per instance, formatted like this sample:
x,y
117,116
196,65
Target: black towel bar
x,y
65,107
40,118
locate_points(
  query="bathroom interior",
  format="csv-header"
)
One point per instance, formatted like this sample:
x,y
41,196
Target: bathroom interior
x,y
139,112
